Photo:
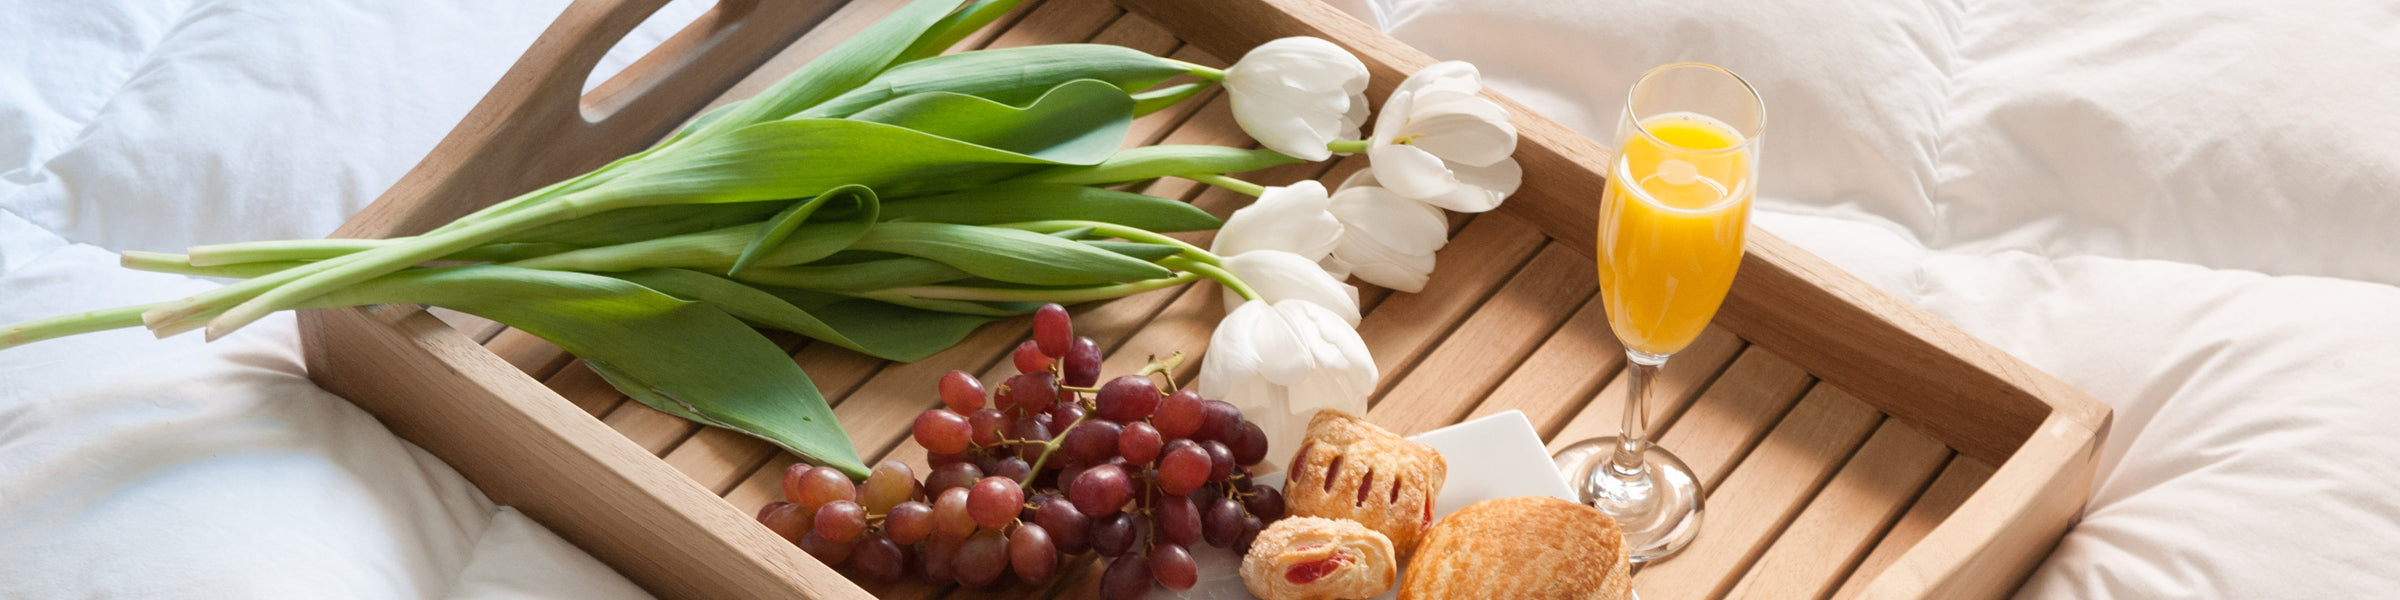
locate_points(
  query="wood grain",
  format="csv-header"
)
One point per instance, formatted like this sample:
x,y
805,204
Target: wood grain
x,y
1495,337
1762,495
1958,481
1842,523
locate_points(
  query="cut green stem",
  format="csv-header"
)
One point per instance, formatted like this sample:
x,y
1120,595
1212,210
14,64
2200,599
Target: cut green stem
x,y
1122,232
1227,183
1062,296
1347,146
1215,272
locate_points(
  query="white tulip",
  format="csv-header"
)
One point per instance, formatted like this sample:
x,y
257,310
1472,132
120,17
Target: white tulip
x,y
1282,362
1387,239
1274,245
1298,93
1290,218
1278,276
1439,142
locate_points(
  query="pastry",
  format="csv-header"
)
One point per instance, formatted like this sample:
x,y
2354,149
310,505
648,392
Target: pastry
x,y
1307,558
1348,468
1528,548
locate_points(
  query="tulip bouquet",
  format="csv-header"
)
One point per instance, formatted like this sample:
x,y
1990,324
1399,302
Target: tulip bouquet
x,y
889,198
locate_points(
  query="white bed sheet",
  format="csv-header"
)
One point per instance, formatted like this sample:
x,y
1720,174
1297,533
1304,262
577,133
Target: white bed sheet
x,y
138,468
2010,166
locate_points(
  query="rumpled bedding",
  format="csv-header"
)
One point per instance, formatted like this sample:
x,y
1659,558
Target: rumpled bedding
x,y
2186,209
2190,210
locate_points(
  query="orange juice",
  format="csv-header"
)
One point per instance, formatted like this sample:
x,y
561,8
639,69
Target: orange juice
x,y
1671,223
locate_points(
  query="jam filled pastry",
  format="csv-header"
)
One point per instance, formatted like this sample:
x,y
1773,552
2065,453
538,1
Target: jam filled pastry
x,y
1348,468
1308,558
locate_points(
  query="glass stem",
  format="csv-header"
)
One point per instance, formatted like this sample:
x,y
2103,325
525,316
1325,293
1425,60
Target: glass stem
x,y
1633,434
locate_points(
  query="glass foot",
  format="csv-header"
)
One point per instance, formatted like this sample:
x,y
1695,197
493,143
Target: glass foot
x,y
1659,508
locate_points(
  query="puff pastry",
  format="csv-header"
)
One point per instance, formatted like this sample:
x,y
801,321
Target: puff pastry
x,y
1529,548
1348,468
1308,558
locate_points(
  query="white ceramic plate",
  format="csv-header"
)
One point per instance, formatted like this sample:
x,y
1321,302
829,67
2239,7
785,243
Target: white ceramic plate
x,y
1498,456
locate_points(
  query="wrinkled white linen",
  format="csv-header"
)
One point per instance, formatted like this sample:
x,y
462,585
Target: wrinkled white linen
x,y
2042,150
131,467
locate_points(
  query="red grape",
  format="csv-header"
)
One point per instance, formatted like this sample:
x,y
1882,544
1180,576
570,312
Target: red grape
x,y
1081,366
1267,503
1030,430
1127,399
1052,329
1220,460
950,517
1249,446
878,560
815,486
1065,413
1251,525
1221,422
1101,490
1127,578
940,430
982,559
993,501
1069,528
1032,392
1013,468
889,484
1173,566
1030,551
943,459
841,521
1138,443
1178,520
909,522
786,519
832,553
985,426
1180,415
1030,359
961,391
953,475
937,557
1114,535
1221,522
1091,442
1184,469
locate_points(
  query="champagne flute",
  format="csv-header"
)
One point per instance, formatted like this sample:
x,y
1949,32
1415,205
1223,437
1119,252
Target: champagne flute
x,y
1671,226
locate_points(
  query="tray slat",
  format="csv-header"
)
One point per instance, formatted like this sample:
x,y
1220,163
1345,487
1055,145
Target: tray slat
x,y
1845,520
1761,495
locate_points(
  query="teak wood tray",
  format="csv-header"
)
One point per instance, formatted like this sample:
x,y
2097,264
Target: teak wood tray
x,y
1851,445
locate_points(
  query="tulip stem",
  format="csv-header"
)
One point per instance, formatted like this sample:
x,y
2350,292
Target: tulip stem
x,y
1062,296
1122,232
1347,146
1228,183
1201,71
1210,271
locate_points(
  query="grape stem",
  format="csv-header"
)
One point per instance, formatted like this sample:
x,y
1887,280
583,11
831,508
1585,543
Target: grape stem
x,y
1164,366
1052,446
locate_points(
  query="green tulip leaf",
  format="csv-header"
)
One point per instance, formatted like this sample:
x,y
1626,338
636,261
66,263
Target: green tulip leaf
x,y
1151,162
1023,201
780,228
1006,75
1007,254
1057,123
688,359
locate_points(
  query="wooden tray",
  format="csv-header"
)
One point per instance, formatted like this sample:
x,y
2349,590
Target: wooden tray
x,y
1851,444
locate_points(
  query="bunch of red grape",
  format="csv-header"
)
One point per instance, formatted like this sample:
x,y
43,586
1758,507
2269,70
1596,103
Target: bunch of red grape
x,y
1050,467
